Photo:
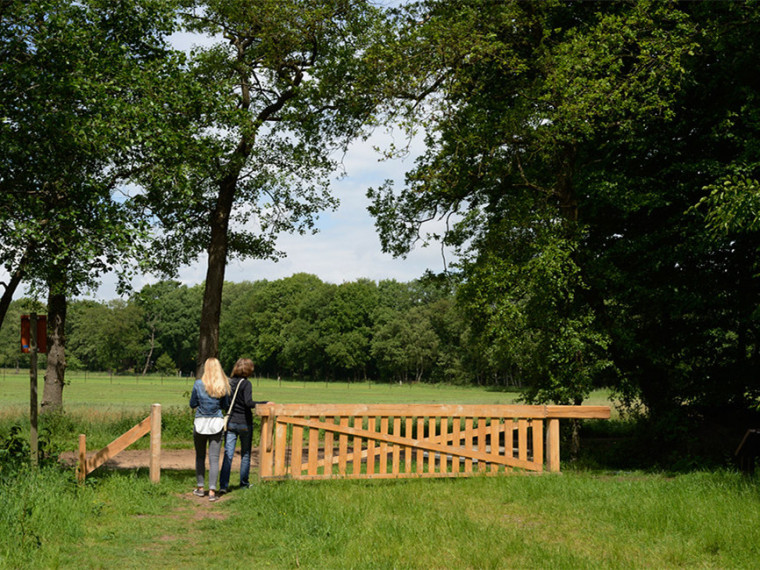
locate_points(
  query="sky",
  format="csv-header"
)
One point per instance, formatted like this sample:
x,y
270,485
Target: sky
x,y
347,246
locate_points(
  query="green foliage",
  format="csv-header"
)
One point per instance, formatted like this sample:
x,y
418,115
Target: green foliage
x,y
596,165
73,80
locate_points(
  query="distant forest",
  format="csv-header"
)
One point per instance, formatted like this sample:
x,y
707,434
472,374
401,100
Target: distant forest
x,y
297,327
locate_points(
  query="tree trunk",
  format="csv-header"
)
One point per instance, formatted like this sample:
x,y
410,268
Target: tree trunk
x,y
150,352
52,395
208,344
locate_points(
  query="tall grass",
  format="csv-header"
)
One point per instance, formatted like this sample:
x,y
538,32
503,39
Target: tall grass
x,y
575,520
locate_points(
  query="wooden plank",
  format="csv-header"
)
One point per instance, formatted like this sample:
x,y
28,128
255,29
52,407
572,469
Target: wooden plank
x,y
313,467
441,410
443,466
265,447
119,444
552,446
537,427
280,446
580,412
468,443
509,438
420,451
482,442
455,438
82,466
408,450
414,410
522,439
495,436
396,466
384,445
371,446
155,444
342,446
355,457
329,447
296,457
431,436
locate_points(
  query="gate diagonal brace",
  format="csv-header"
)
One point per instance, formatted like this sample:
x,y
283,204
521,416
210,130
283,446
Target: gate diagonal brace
x,y
408,442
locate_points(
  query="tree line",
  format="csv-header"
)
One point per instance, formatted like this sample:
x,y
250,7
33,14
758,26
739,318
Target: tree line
x,y
296,327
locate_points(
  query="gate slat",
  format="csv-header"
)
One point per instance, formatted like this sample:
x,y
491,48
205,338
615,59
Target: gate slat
x,y
329,447
313,452
395,468
342,446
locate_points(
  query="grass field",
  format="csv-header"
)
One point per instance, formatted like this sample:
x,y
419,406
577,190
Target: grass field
x,y
575,520
132,393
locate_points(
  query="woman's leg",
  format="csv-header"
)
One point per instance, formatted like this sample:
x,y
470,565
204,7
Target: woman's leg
x,y
245,456
229,452
199,440
214,447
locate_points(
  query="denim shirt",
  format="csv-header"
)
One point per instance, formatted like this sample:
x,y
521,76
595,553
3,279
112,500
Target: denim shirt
x,y
205,406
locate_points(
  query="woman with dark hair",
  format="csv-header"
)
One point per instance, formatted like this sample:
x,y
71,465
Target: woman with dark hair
x,y
240,424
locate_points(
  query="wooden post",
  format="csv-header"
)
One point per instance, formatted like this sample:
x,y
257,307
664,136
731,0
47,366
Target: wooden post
x,y
552,446
82,466
33,438
265,447
155,443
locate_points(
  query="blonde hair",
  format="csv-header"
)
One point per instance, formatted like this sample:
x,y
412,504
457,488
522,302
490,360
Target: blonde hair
x,y
214,379
243,368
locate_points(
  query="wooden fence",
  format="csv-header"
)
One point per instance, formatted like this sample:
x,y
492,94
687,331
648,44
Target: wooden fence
x,y
323,441
150,424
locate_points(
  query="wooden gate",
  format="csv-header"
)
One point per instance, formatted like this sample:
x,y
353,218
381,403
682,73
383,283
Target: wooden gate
x,y
324,441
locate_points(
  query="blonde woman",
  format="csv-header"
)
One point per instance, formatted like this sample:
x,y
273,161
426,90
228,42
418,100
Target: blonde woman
x,y
211,395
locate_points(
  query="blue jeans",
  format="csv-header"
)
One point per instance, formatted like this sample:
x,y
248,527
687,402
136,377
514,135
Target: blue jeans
x,y
233,432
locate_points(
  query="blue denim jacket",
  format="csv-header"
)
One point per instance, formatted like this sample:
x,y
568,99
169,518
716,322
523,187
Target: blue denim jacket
x,y
205,406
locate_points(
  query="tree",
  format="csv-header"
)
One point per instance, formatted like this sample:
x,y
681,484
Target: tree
x,y
272,102
172,314
573,141
72,81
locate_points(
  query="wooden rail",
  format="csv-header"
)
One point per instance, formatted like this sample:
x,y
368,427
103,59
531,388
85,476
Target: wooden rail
x,y
323,441
150,424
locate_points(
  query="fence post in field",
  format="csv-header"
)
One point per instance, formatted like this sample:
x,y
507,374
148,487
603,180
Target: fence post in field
x,y
155,443
82,466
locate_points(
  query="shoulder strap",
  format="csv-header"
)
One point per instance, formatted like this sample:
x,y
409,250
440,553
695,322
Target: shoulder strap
x,y
235,395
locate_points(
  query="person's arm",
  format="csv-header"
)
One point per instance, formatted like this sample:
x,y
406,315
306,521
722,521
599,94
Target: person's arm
x,y
247,393
194,398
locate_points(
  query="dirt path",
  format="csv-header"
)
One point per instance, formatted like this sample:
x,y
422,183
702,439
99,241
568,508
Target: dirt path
x,y
181,459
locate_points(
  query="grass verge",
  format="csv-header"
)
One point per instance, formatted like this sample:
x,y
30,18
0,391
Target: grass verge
x,y
574,520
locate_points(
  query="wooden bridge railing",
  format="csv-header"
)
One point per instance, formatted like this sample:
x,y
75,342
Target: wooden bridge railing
x,y
150,424
323,441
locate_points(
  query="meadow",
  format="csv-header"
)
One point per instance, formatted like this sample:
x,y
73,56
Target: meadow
x,y
582,518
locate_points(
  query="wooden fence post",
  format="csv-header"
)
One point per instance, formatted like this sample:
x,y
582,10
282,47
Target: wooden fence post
x,y
82,467
552,446
155,443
